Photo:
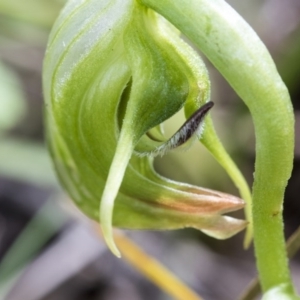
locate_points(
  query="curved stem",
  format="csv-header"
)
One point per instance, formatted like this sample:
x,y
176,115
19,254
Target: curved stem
x,y
237,52
292,246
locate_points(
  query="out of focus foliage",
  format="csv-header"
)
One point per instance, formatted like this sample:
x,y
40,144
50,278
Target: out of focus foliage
x,y
24,29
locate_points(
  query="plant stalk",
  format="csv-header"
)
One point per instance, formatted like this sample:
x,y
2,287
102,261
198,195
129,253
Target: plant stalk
x,y
254,288
238,53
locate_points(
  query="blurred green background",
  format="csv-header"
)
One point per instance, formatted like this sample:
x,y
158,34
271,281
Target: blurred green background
x,y
48,250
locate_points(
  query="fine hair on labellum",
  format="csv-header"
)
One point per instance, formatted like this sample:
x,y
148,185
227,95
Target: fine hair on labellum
x,y
192,128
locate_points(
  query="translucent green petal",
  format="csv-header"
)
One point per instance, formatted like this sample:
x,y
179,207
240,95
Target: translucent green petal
x,y
110,75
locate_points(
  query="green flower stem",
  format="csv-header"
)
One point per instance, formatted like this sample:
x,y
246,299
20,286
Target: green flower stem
x,y
292,247
237,52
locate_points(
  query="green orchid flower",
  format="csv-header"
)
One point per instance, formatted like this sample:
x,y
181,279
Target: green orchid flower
x,y
113,72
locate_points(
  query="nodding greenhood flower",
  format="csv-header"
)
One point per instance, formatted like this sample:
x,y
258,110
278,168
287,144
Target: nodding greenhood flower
x,y
113,72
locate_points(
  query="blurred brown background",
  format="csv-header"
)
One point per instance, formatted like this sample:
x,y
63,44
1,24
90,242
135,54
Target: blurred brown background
x,y
55,254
